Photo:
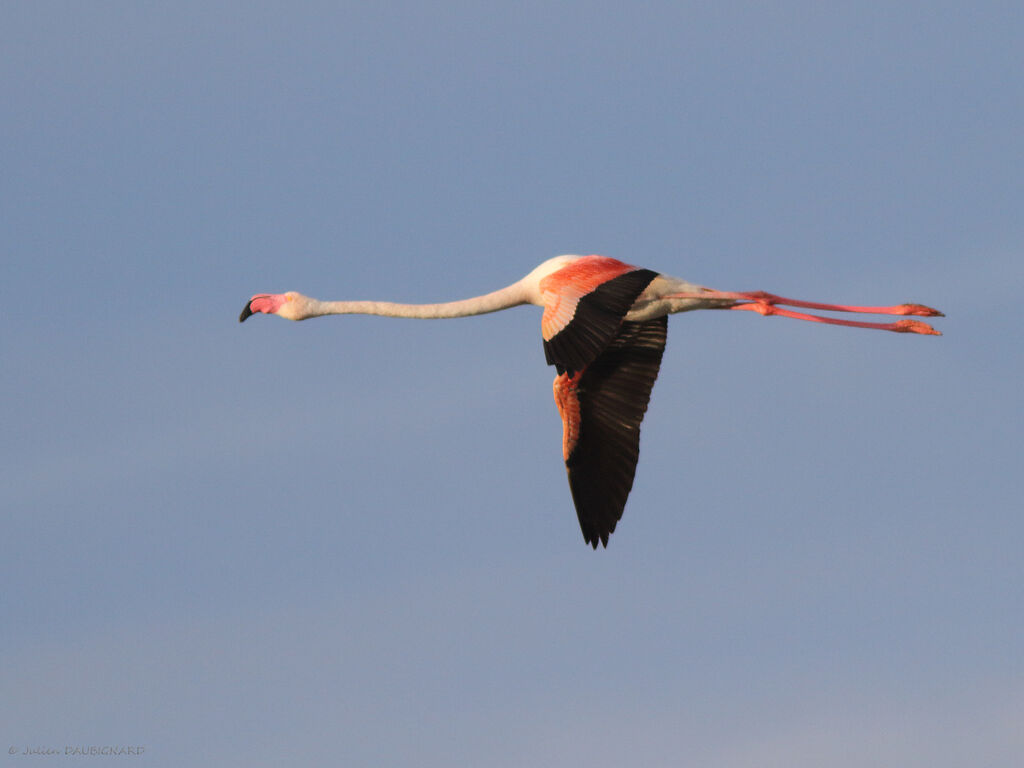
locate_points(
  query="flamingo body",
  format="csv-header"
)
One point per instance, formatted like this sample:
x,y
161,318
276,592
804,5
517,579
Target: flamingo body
x,y
604,328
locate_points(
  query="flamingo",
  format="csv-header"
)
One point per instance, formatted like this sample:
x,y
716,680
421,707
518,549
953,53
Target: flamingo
x,y
604,326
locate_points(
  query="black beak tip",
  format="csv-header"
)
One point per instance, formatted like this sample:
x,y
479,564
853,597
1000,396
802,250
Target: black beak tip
x,y
245,312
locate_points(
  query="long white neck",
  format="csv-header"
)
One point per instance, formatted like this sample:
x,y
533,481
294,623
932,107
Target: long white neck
x,y
504,298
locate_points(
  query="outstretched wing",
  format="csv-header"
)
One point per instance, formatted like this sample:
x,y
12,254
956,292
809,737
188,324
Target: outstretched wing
x,y
584,303
601,407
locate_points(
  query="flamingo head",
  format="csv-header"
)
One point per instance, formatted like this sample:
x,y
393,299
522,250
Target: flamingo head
x,y
290,305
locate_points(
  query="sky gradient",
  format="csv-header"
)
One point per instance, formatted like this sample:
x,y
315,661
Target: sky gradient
x,y
350,541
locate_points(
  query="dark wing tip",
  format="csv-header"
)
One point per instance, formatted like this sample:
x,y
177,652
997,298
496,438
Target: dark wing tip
x,y
596,528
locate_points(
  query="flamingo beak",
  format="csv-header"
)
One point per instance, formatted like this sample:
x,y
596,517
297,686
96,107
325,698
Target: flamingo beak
x,y
267,303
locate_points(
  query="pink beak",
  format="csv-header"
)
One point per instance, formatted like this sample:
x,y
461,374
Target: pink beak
x,y
267,303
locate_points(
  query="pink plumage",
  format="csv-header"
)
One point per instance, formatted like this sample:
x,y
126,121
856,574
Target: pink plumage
x,y
561,291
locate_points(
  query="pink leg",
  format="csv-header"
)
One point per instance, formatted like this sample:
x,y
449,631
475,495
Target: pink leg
x,y
900,326
770,298
765,304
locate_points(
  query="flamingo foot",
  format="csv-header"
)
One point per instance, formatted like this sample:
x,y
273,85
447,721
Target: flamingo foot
x,y
916,326
919,309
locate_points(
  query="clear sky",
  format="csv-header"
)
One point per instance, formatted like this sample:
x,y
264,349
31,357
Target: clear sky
x,y
351,541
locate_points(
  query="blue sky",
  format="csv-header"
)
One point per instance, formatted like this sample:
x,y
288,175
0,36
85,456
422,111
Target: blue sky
x,y
351,541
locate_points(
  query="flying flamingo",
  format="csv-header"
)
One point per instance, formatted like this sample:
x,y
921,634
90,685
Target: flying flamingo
x,y
604,328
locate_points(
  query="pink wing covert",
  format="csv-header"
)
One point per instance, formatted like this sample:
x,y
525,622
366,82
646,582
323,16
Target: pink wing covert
x,y
562,290
584,305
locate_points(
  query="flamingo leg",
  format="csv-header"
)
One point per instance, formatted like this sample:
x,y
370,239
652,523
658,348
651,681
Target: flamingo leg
x,y
899,326
768,304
